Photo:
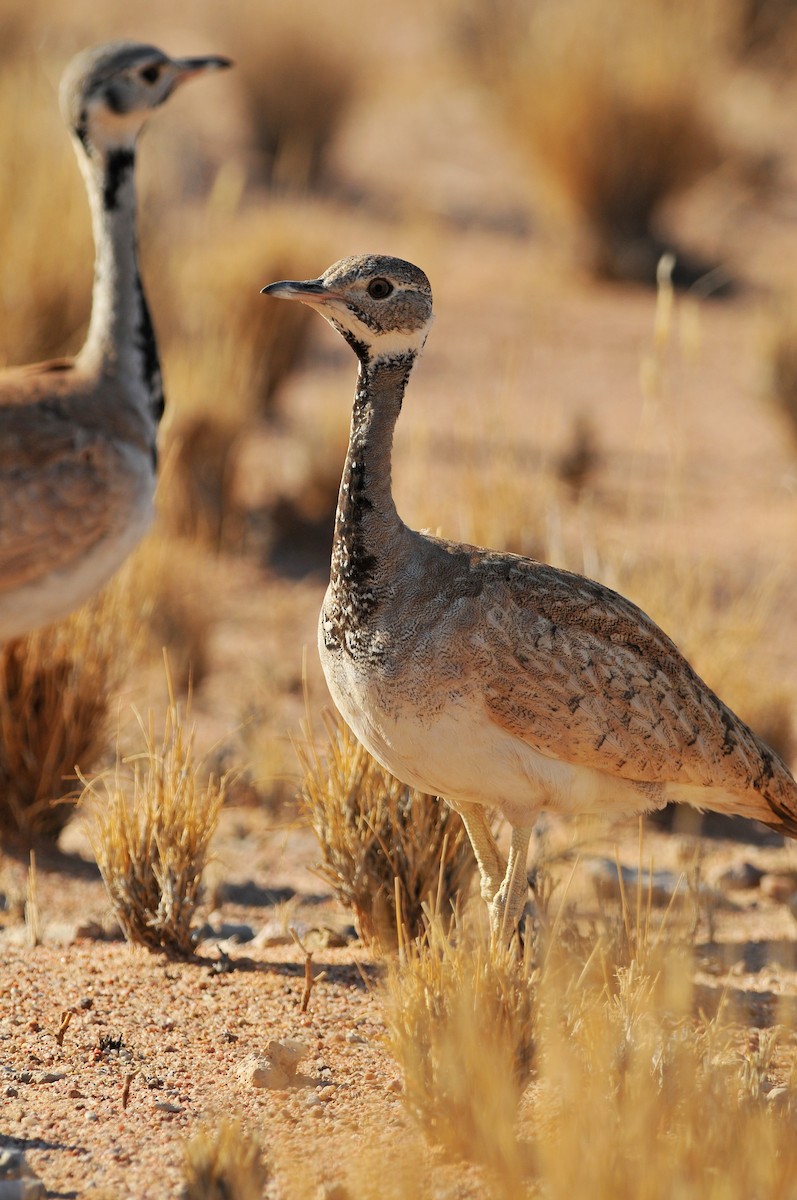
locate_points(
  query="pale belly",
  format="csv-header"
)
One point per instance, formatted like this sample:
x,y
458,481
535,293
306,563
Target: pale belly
x,y
459,753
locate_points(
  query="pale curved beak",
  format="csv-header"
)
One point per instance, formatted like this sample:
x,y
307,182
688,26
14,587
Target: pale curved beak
x,y
292,289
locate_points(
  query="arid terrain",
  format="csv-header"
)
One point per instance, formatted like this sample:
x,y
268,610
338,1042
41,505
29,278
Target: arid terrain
x,y
613,428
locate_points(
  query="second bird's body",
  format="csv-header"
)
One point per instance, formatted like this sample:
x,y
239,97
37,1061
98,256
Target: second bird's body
x,y
78,437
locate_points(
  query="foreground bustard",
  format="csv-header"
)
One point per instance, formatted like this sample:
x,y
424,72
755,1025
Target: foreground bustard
x,y
78,437
491,679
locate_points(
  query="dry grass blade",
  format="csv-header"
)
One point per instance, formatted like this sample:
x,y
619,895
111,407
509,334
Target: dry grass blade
x,y
372,830
150,826
460,1018
223,1161
56,694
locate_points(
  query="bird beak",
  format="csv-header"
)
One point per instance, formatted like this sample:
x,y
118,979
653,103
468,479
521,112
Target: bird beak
x,y
312,291
188,68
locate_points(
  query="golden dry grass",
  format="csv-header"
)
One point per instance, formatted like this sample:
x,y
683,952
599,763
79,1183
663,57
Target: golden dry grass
x,y
607,103
297,90
224,1162
151,823
588,1067
460,1020
380,839
57,691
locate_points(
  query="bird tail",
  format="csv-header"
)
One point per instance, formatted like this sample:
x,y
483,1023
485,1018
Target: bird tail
x,y
779,811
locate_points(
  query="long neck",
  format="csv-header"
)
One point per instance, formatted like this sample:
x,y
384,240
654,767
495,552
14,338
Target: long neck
x,y
121,341
366,519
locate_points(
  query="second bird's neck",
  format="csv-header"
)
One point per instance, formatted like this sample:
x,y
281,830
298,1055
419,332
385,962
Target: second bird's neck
x,y
366,520
121,341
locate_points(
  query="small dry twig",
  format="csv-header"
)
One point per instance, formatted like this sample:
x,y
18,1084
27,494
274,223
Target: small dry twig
x,y
309,979
66,1017
126,1088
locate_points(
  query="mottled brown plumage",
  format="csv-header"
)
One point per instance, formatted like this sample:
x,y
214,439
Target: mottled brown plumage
x,y
491,679
78,437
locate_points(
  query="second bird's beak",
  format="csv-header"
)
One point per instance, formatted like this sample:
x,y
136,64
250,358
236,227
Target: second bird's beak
x,y
188,68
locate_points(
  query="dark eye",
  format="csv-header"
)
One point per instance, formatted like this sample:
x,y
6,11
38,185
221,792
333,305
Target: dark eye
x,y
151,74
378,289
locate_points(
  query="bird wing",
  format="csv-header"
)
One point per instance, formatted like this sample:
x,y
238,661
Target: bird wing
x,y
58,485
579,673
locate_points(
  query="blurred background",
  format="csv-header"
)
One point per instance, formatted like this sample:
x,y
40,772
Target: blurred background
x,y
604,196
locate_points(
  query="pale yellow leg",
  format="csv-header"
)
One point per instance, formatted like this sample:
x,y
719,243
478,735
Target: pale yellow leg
x,y
489,859
510,899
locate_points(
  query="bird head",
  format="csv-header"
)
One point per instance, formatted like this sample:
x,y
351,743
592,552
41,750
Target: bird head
x,y
382,306
108,92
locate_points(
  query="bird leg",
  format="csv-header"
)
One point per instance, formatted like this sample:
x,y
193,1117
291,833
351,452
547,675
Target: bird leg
x,y
492,868
509,901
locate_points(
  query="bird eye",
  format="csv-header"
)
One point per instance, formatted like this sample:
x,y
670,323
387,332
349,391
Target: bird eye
x,y
378,289
151,74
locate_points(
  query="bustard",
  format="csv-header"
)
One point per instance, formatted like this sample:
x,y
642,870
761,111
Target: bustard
x,y
488,678
78,437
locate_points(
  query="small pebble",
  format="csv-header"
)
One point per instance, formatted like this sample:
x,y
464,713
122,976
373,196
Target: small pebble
x,y
326,1093
166,1106
354,1038
11,1091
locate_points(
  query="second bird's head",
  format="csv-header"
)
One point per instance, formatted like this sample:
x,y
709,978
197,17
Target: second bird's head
x,y
382,306
108,92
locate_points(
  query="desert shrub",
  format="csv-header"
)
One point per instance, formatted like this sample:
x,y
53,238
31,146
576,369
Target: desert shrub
x,y
222,1161
150,823
606,102
460,1022
380,839
57,688
297,88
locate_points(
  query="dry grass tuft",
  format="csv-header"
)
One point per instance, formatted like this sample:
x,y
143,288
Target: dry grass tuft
x,y
150,826
379,837
223,1161
292,124
606,101
57,688
590,1074
460,1020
